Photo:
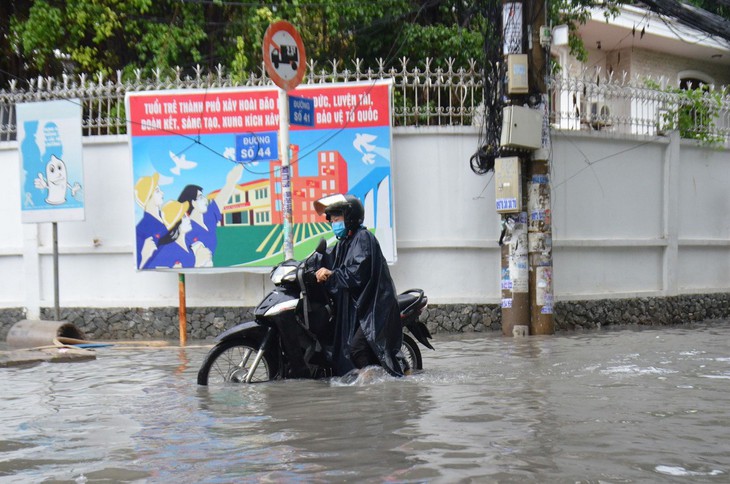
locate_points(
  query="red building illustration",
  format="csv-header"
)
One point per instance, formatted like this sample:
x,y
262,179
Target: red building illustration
x,y
331,178
260,202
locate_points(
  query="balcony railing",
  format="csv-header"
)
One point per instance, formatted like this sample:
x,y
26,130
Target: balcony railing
x,y
423,95
649,107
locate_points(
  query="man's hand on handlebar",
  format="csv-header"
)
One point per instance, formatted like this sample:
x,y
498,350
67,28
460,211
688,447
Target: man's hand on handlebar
x,y
323,274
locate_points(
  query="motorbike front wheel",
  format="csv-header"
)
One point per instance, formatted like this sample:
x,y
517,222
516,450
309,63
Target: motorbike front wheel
x,y
231,360
411,354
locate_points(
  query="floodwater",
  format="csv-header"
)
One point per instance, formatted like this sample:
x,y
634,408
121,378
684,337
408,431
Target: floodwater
x,y
615,406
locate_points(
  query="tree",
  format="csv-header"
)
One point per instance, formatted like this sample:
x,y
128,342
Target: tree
x,y
54,36
51,37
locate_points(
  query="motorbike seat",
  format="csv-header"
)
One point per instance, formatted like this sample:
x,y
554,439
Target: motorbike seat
x,y
405,300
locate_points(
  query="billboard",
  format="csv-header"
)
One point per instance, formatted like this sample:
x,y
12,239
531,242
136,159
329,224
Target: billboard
x,y
208,181
51,164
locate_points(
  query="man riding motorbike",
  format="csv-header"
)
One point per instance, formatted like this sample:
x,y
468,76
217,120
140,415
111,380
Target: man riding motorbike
x,y
355,273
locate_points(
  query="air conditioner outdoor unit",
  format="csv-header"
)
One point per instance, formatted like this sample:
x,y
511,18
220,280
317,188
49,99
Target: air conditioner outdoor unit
x,y
598,114
600,109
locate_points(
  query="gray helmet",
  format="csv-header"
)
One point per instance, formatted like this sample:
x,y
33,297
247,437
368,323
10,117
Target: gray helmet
x,y
349,206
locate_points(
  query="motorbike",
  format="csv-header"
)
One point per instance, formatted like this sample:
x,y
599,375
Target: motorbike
x,y
292,333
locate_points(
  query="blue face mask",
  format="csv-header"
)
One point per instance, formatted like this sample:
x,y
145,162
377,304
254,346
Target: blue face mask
x,y
339,229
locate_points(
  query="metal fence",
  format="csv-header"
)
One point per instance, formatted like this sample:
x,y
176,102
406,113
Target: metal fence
x,y
424,95
639,106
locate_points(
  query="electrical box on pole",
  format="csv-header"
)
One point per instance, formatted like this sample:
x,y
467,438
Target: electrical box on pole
x,y
517,82
521,128
508,185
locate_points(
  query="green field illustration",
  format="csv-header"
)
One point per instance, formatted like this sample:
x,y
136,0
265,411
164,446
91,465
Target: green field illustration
x,y
263,245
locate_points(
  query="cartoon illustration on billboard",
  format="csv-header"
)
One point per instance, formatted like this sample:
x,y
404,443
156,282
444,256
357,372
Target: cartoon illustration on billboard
x,y
49,134
55,183
150,228
215,156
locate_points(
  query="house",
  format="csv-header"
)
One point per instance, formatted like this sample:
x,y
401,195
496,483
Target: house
x,y
629,52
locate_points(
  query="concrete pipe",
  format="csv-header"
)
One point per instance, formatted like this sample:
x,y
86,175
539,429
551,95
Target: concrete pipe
x,y
28,333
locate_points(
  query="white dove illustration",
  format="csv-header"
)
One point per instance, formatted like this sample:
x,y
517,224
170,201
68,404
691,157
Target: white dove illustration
x,y
181,163
229,153
362,144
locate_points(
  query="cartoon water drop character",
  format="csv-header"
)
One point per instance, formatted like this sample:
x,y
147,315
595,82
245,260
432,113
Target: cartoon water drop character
x,y
56,182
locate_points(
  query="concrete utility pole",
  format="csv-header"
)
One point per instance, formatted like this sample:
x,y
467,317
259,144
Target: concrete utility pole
x,y
540,238
526,280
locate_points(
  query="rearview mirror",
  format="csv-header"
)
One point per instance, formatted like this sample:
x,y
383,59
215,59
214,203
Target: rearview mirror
x,y
321,246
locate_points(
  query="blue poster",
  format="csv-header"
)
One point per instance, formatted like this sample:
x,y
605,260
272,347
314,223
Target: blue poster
x,y
51,167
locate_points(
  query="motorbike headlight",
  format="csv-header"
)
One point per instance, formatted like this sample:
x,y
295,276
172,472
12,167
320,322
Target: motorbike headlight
x,y
283,273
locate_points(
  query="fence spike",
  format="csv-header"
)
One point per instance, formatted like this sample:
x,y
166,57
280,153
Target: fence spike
x,y
430,92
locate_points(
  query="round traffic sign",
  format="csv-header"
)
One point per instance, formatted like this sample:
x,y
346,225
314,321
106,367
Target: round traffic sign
x,y
284,56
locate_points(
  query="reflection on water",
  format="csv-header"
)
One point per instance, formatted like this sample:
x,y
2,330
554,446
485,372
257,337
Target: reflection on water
x,y
616,406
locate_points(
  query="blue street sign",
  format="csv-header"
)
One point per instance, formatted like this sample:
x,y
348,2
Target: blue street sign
x,y
257,147
301,111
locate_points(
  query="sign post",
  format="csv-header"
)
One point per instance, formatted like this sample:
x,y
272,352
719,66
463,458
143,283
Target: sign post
x,y
51,167
285,62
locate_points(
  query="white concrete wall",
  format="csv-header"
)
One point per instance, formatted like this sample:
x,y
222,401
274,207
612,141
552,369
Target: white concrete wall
x,y
630,216
639,217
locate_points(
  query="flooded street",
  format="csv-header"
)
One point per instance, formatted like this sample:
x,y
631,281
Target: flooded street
x,y
618,406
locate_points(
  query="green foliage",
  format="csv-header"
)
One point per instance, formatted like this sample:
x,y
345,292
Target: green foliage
x,y
56,36
50,37
38,35
239,65
176,42
441,41
694,114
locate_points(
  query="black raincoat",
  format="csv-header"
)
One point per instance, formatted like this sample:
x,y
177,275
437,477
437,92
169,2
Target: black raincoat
x,y
364,295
